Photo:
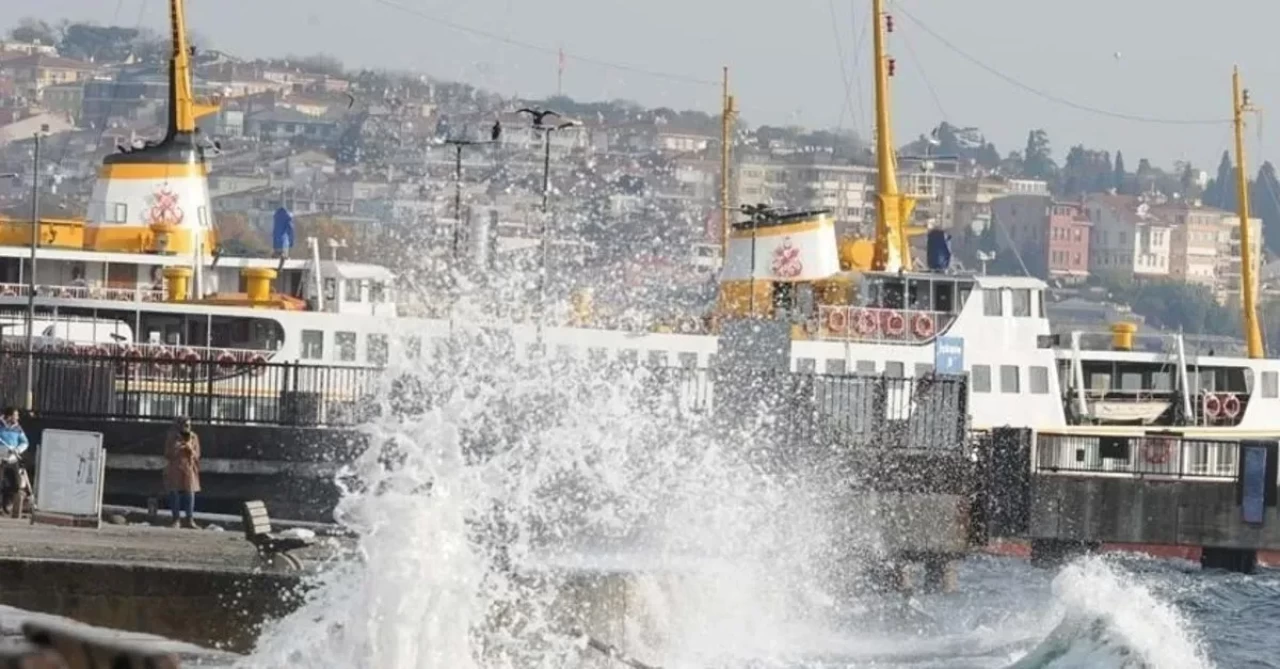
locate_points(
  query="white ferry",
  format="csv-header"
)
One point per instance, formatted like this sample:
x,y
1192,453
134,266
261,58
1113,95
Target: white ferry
x,y
142,277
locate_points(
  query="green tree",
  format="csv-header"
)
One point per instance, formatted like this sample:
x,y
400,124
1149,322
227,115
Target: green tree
x,y
1118,176
1037,160
34,30
1264,198
1221,191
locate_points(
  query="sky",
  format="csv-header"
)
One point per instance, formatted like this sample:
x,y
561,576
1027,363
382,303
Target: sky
x,y
1162,60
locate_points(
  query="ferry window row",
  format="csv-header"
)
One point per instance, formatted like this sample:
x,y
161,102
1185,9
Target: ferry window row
x,y
345,346
1024,302
1010,379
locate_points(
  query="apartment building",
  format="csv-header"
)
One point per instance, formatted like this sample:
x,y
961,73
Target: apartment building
x,y
1051,238
843,189
1195,241
1227,286
1127,238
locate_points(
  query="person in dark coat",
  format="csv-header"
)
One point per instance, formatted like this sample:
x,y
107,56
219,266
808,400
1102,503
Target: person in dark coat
x,y
182,470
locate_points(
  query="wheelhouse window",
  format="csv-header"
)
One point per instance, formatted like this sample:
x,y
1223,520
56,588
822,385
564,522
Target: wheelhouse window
x,y
1021,303
1271,384
312,345
1039,378
980,378
377,349
1009,379
346,345
992,304
377,292
351,291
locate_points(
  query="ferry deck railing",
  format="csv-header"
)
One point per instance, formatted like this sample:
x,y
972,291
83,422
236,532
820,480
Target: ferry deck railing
x,y
825,410
1152,455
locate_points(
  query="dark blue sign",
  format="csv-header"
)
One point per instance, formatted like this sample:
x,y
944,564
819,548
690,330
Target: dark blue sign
x,y
282,231
1253,498
938,250
948,355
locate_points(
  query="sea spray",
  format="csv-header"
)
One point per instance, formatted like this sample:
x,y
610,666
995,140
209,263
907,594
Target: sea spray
x,y
1109,619
486,477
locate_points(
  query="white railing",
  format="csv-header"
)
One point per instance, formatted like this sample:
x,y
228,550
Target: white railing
x,y
1146,456
83,292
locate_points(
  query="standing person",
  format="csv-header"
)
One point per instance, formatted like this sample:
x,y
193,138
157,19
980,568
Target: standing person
x,y
13,476
182,470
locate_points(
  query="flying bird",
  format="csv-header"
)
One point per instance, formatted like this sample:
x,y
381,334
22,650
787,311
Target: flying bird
x,y
538,116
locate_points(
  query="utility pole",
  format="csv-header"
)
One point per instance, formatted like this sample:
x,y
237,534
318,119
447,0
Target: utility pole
x,y
31,276
494,135
726,143
539,125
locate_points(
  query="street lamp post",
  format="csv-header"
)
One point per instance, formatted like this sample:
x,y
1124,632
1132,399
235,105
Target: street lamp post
x,y
31,277
539,124
494,135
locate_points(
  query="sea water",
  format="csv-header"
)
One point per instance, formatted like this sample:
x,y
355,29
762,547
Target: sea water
x,y
493,488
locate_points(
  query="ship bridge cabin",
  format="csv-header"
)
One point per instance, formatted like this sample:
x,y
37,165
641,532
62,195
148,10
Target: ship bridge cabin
x,y
237,304
789,267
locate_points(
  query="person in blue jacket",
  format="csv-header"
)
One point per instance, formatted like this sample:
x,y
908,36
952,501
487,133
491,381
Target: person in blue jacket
x,y
14,485
11,435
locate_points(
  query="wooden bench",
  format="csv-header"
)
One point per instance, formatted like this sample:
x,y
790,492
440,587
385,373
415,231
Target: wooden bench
x,y
272,547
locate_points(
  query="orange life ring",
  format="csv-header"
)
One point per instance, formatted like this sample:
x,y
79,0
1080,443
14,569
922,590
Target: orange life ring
x,y
1212,405
838,320
922,325
864,323
226,362
894,324
1231,406
259,364
1157,450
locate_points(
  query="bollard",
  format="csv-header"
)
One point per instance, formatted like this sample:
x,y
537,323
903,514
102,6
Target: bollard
x,y
73,649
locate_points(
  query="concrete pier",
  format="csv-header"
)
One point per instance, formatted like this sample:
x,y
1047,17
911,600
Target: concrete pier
x,y
200,586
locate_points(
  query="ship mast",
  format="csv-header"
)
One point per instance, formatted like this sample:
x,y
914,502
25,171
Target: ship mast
x,y
893,209
182,107
1248,298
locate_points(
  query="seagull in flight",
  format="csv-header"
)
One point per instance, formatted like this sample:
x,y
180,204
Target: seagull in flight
x,y
538,116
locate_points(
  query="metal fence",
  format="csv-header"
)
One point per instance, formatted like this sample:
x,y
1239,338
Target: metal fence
x,y
134,387
855,411
1151,454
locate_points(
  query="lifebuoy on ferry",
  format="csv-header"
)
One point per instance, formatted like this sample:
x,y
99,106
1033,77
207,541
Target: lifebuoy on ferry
x,y
188,358
259,364
922,325
1231,405
1157,450
163,360
1212,406
864,322
97,351
226,362
10,292
894,324
838,320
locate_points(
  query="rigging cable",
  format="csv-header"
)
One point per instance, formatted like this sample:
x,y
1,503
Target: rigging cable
x,y
1047,95
510,41
847,108
858,45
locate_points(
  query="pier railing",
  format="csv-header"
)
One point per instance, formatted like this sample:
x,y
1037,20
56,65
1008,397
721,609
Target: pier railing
x,y
1154,455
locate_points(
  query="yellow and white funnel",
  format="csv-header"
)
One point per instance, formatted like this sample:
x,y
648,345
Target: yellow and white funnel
x,y
786,249
156,199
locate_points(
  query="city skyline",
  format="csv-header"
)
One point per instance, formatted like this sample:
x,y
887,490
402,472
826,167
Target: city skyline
x,y
1179,73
